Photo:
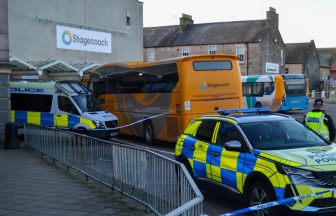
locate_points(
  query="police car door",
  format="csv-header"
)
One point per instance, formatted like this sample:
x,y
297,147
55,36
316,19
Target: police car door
x,y
225,164
201,159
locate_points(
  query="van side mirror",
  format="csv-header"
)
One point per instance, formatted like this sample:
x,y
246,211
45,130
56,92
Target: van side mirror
x,y
233,145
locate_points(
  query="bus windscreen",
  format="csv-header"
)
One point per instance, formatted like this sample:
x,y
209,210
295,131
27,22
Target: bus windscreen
x,y
295,87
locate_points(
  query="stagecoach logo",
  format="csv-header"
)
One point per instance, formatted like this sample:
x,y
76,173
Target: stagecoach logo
x,y
67,37
205,85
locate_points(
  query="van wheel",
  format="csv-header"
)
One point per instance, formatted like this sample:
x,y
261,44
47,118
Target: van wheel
x,y
148,132
258,105
259,193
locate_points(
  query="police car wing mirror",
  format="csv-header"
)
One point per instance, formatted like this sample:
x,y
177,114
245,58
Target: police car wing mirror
x,y
233,145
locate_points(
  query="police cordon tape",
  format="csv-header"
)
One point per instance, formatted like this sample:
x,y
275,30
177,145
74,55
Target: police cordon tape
x,y
278,202
145,119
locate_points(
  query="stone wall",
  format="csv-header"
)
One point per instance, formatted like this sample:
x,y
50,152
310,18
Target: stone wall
x,y
4,73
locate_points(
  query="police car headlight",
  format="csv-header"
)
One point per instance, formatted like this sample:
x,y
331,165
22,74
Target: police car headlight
x,y
300,176
295,171
99,124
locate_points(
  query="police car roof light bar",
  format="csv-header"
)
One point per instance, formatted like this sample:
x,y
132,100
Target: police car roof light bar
x,y
249,110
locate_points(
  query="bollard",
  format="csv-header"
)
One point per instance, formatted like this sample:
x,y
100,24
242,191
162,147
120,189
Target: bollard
x,y
12,140
313,94
323,94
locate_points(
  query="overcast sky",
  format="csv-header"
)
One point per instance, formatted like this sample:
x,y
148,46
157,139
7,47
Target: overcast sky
x,y
299,20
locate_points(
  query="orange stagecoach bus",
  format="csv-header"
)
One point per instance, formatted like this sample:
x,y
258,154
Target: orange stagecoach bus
x,y
183,88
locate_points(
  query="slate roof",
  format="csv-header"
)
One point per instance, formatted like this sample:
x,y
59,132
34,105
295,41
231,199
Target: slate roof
x,y
296,52
207,33
326,55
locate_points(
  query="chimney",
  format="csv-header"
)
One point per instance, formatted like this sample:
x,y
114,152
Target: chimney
x,y
272,17
185,20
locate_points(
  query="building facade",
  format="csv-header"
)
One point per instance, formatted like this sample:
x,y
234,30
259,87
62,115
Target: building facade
x,y
328,68
64,39
304,58
258,42
4,70
59,39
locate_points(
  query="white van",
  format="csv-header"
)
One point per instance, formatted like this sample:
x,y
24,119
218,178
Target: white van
x,y
64,104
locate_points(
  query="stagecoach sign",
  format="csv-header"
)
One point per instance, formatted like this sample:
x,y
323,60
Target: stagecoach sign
x,y
272,67
81,39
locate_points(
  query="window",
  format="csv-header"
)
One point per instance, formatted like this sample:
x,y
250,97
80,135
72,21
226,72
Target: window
x,y
268,88
185,52
128,18
31,102
282,57
212,49
205,130
151,55
228,132
212,65
257,89
246,89
240,53
65,105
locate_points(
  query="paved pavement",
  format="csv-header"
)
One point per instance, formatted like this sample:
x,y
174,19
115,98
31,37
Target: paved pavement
x,y
33,185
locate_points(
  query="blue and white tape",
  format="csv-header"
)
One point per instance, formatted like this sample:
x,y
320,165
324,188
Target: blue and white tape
x,y
145,119
278,202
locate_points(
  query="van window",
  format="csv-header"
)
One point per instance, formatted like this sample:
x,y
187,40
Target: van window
x,y
31,102
65,105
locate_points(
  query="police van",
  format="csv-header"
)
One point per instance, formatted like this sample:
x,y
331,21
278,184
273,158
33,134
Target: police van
x,y
63,104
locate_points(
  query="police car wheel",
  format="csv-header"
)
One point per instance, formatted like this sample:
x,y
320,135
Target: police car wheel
x,y
148,131
259,193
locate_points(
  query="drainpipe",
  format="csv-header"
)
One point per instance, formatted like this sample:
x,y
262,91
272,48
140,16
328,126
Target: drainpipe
x,y
247,59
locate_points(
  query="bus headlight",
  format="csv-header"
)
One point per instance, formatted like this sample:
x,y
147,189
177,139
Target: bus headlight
x,y
99,124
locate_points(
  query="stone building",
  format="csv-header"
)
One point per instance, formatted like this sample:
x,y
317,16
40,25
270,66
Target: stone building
x,y
304,58
328,67
62,39
258,42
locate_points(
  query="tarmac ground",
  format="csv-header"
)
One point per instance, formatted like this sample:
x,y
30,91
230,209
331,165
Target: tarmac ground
x,y
33,185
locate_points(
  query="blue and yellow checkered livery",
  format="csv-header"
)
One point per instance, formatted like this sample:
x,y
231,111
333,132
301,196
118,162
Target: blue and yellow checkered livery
x,y
49,119
238,169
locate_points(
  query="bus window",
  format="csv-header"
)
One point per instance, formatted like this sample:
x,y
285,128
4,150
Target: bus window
x,y
257,89
212,65
247,89
268,88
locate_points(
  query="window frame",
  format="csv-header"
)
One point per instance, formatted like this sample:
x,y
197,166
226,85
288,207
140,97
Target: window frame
x,y
212,49
241,53
151,55
185,52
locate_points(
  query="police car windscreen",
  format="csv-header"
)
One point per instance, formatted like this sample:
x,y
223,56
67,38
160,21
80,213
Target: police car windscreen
x,y
276,135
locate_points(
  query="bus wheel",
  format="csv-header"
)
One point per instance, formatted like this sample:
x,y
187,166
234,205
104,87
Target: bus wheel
x,y
258,105
148,131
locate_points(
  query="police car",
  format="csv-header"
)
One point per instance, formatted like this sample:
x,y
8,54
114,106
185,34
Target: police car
x,y
262,156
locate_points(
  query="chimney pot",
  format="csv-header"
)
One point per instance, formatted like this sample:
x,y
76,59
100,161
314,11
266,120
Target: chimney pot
x,y
185,20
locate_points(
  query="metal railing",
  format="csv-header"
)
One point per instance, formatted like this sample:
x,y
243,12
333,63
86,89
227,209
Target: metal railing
x,y
161,184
